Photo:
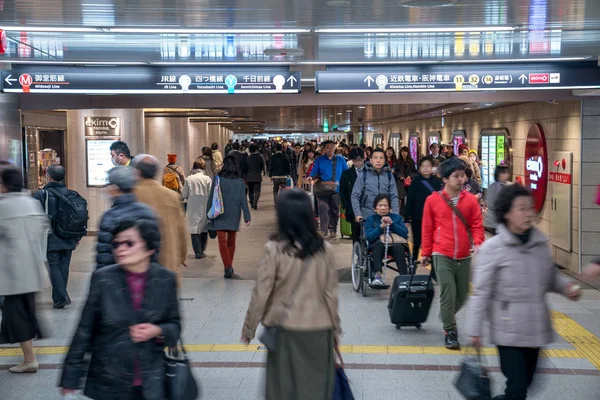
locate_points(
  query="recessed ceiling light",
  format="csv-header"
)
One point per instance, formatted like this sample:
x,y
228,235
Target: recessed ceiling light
x,y
339,113
361,106
449,112
338,3
466,108
488,104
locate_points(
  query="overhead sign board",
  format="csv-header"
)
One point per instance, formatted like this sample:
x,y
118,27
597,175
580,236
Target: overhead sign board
x,y
150,80
102,126
460,77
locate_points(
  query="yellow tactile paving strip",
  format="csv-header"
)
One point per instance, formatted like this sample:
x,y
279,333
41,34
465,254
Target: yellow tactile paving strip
x,y
584,341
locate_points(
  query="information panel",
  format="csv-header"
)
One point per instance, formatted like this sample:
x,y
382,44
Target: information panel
x,y
98,161
460,77
494,150
150,80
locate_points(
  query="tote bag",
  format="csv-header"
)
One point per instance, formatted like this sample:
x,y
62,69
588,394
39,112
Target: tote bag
x,y
216,207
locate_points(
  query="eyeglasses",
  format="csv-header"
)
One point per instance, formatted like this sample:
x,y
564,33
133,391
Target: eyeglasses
x,y
128,243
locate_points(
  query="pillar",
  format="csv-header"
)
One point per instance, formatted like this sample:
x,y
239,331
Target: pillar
x,y
589,214
166,135
132,133
11,143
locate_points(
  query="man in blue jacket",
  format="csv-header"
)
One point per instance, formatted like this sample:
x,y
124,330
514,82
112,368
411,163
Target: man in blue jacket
x,y
329,169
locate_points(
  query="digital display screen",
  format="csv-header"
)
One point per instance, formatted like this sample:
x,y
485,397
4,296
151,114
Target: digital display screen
x,y
493,153
98,162
413,146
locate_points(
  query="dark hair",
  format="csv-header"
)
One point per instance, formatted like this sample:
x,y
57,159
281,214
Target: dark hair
x,y
380,197
252,148
120,147
394,157
451,165
357,153
278,147
147,167
305,154
296,224
377,150
434,144
12,179
229,170
500,169
506,198
424,159
147,228
235,146
214,146
325,143
56,172
207,152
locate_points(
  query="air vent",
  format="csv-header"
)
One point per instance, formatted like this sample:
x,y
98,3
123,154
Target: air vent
x,y
426,3
292,52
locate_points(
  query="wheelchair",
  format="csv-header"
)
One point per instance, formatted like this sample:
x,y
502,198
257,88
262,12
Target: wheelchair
x,y
362,264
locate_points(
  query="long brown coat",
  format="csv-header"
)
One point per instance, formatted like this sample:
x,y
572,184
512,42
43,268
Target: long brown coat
x,y
173,231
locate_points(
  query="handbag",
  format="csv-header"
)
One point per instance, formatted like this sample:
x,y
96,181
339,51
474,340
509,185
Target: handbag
x,y
268,337
473,381
180,383
341,389
216,207
327,188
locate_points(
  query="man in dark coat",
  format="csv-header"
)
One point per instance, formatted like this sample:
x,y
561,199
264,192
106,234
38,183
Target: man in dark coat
x,y
121,182
279,169
255,166
59,249
240,160
347,181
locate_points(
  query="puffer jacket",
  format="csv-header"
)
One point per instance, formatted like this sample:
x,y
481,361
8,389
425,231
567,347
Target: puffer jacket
x,y
444,233
511,283
124,207
55,242
369,185
311,285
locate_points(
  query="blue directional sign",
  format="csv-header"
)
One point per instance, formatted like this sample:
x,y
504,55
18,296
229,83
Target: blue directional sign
x,y
150,80
457,77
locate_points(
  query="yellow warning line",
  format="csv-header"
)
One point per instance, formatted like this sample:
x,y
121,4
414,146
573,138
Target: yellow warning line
x,y
583,340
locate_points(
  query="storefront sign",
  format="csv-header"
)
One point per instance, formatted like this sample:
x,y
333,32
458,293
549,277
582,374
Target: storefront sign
x,y
140,80
102,126
98,161
460,77
560,177
536,165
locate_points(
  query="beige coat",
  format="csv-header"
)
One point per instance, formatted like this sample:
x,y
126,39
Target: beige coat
x,y
23,238
173,232
314,296
195,190
511,283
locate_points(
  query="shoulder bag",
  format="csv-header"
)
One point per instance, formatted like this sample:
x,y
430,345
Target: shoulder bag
x,y
180,383
327,188
269,334
473,381
461,217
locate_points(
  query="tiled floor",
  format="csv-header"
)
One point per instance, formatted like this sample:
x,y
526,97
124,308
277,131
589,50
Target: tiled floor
x,y
383,363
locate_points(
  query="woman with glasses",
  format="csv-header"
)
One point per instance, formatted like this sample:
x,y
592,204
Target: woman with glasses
x,y
130,315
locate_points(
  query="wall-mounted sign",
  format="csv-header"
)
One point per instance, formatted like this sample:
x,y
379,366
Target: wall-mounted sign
x,y
494,149
102,126
460,77
149,80
98,161
536,165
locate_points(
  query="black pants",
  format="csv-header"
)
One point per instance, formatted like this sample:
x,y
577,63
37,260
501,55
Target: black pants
x,y
518,365
254,193
417,232
199,242
277,184
138,393
396,251
355,231
58,264
329,212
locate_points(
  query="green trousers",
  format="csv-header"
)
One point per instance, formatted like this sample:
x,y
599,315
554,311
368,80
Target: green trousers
x,y
453,277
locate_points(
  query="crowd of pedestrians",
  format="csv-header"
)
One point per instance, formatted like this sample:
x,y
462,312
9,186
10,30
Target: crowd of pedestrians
x,y
131,312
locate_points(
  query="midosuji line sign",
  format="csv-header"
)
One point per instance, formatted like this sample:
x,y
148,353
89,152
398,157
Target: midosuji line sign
x,y
459,77
150,80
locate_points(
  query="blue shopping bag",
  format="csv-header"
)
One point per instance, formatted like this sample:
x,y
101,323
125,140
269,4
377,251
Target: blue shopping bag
x,y
342,389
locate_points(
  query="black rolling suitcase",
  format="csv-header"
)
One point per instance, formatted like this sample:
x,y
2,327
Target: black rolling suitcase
x,y
410,299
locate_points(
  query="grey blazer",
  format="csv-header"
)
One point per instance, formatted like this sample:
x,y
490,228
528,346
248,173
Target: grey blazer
x,y
511,282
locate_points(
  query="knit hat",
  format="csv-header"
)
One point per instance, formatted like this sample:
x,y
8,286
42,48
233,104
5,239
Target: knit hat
x,y
172,158
463,147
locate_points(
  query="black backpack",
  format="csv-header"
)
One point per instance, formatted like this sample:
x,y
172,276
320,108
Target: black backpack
x,y
70,221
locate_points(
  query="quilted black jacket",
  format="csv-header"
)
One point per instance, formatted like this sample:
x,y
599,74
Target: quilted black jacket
x,y
104,330
124,207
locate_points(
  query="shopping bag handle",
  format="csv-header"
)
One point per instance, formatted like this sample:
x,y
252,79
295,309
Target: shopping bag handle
x,y
338,353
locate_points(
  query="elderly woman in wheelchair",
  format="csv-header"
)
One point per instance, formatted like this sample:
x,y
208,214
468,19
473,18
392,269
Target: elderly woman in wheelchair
x,y
377,226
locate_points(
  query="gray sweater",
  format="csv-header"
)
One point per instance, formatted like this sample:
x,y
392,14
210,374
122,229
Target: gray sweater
x,y
234,202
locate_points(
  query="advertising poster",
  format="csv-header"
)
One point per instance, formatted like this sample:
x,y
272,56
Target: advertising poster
x,y
98,162
413,146
458,140
485,167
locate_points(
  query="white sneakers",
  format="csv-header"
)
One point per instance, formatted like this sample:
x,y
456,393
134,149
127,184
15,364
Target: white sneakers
x,y
25,368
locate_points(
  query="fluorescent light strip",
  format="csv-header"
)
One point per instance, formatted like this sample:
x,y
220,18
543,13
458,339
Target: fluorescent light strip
x,y
126,91
154,30
391,91
488,28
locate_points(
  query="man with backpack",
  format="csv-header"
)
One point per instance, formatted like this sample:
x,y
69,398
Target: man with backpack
x,y
452,230
173,175
68,214
376,179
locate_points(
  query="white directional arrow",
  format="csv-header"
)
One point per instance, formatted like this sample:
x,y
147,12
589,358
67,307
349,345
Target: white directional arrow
x,y
291,80
523,78
8,80
369,79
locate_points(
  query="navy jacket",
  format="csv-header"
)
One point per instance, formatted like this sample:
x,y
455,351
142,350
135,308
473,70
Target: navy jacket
x,y
55,243
124,207
373,228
